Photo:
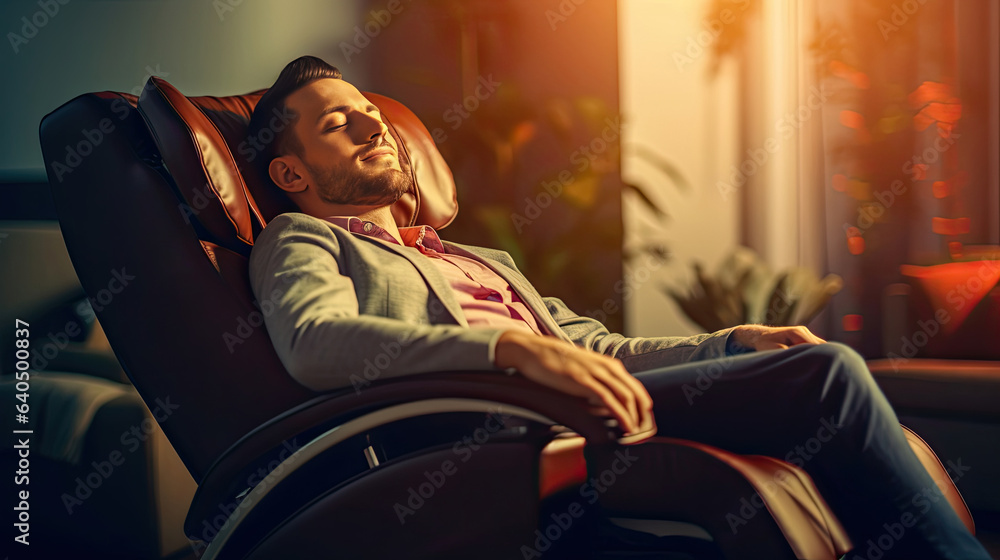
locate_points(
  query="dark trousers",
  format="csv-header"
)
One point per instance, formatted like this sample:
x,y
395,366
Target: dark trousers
x,y
768,403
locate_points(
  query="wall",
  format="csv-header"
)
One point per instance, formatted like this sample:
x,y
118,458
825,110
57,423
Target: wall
x,y
204,47
671,106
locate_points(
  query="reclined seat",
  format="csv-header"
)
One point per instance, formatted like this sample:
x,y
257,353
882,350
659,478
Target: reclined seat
x,y
161,188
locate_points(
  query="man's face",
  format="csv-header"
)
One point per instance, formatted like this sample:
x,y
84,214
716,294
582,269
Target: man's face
x,y
346,149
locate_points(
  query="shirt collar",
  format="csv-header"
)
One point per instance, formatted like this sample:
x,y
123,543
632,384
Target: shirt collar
x,y
411,236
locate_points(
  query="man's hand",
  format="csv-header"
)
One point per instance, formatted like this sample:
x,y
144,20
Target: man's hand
x,y
583,373
760,337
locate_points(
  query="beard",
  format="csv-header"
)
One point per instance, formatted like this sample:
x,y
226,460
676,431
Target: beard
x,y
376,187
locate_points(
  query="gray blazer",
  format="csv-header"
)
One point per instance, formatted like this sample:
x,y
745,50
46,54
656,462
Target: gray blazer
x,y
345,309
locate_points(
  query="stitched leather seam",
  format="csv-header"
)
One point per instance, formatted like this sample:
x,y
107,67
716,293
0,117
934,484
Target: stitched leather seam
x,y
940,464
236,172
210,252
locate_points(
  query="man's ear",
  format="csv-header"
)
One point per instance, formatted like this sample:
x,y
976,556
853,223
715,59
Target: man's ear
x,y
284,171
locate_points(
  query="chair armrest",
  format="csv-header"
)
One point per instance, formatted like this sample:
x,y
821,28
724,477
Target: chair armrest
x,y
223,480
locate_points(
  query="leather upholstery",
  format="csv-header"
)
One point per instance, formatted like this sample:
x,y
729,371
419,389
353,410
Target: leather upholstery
x,y
791,498
199,159
119,212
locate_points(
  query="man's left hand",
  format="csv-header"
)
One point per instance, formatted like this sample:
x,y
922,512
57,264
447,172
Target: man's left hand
x,y
760,337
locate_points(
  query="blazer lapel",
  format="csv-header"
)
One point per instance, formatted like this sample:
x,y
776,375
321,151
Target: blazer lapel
x,y
432,277
520,285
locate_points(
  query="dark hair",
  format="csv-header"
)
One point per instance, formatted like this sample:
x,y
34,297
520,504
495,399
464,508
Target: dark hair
x,y
272,143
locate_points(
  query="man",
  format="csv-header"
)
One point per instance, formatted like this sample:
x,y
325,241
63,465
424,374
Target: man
x,y
348,284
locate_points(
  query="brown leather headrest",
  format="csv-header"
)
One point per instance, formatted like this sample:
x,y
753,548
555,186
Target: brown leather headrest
x,y
202,141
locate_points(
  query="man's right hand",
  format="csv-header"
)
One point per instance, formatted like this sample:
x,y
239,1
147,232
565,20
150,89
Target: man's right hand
x,y
575,371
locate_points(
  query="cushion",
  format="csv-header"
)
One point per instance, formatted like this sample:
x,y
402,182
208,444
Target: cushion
x,y
200,162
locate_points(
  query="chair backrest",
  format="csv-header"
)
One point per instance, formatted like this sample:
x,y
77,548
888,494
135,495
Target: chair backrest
x,y
159,202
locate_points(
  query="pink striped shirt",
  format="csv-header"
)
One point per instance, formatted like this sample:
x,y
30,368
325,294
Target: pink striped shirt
x,y
487,300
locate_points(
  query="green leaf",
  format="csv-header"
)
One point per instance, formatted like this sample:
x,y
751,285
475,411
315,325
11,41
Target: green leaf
x,y
641,193
664,166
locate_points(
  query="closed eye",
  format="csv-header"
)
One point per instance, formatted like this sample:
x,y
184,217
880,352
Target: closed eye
x,y
369,110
